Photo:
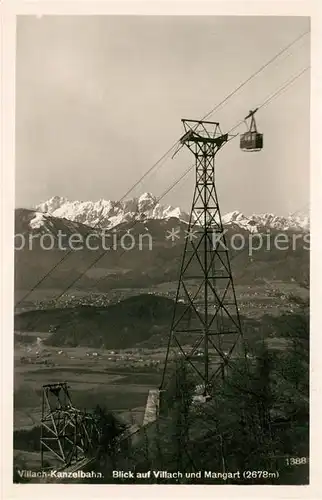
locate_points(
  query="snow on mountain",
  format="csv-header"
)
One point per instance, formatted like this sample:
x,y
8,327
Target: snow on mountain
x,y
29,221
52,204
261,222
108,214
38,220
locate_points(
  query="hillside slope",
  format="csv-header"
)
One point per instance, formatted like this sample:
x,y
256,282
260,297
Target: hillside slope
x,y
143,265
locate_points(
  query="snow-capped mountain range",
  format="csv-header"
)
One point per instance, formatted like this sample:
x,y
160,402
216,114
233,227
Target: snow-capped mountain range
x,y
259,222
108,214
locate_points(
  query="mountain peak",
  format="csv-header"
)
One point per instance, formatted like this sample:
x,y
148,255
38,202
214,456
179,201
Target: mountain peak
x,y
147,196
52,204
108,213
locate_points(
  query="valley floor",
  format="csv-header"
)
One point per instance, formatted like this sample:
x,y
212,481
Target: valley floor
x,y
118,380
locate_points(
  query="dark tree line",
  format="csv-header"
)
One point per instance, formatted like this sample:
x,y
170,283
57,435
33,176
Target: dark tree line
x,y
257,418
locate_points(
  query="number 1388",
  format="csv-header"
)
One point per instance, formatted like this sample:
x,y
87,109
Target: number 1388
x,y
296,460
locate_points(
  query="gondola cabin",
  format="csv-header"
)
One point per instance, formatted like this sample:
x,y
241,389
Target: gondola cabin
x,y
251,140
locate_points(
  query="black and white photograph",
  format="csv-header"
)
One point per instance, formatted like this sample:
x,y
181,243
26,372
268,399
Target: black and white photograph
x,y
162,250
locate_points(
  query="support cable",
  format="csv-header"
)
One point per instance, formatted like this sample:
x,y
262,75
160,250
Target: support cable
x,y
168,153
270,99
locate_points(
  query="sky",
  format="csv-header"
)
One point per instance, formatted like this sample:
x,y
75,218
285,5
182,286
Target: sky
x,y
99,99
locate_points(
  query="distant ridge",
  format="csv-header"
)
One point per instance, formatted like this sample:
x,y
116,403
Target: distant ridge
x,y
108,214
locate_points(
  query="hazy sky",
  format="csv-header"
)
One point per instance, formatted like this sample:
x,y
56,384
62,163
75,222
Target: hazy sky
x,y
100,99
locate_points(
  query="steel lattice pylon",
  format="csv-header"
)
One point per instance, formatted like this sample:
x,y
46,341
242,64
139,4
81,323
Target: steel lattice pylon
x,y
68,433
206,325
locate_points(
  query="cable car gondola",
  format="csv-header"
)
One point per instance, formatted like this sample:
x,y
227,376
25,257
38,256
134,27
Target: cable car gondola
x,y
251,140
